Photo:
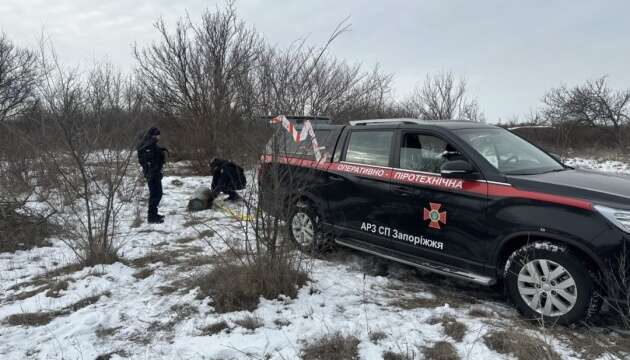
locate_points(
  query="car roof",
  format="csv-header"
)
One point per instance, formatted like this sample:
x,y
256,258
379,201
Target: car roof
x,y
413,123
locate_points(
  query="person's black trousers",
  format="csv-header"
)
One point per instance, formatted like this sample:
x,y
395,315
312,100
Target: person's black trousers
x,y
155,195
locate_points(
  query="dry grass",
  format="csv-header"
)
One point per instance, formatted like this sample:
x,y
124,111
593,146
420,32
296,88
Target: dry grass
x,y
453,328
440,351
250,322
480,312
520,345
47,278
281,322
594,343
44,317
103,333
236,287
390,355
56,288
143,273
171,257
376,336
332,347
215,328
23,232
185,240
440,297
184,311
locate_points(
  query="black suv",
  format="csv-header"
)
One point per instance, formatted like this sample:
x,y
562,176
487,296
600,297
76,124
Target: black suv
x,y
463,199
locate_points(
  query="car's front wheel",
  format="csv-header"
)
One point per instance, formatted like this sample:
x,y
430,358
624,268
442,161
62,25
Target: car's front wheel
x,y
548,282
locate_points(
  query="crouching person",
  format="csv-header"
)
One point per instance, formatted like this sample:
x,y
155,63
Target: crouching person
x,y
227,177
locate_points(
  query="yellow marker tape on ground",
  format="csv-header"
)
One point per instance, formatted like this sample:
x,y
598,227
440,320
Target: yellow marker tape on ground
x,y
241,217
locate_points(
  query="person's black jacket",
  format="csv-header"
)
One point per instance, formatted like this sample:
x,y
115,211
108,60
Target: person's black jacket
x,y
227,176
150,155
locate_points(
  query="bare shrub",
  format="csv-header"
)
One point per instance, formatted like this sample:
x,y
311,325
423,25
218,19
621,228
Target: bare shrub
x,y
520,345
80,156
332,347
443,97
210,81
593,104
19,74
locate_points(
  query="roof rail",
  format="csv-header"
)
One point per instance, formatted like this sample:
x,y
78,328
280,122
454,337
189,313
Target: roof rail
x,y
299,119
385,121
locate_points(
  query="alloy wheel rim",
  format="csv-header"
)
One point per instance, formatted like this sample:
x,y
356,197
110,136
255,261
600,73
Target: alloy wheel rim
x,y
302,228
547,287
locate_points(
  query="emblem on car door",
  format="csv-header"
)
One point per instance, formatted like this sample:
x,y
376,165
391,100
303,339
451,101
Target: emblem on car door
x,y
435,215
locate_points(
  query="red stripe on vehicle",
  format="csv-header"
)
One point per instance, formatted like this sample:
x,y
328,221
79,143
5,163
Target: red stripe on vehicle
x,y
421,179
509,191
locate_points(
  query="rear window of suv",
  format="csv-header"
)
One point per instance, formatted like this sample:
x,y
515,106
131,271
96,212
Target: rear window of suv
x,y
370,147
282,143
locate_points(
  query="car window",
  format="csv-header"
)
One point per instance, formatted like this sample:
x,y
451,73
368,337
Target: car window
x,y
370,147
422,153
509,153
282,143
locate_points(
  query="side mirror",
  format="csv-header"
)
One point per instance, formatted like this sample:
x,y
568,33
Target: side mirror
x,y
556,157
457,169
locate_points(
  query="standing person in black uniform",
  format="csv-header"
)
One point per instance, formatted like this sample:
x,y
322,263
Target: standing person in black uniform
x,y
227,177
151,158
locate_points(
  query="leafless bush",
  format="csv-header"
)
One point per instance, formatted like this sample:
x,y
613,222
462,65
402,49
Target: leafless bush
x,y
197,75
79,156
592,104
443,97
19,75
212,80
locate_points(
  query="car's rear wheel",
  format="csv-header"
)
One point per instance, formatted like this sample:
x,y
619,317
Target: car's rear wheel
x,y
548,282
302,226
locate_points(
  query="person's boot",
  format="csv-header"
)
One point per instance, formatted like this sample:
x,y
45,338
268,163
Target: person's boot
x,y
156,220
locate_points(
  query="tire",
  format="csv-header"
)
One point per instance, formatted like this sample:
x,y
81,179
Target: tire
x,y
302,226
550,283
301,216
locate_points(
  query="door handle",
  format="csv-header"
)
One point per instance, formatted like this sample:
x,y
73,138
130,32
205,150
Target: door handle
x,y
405,191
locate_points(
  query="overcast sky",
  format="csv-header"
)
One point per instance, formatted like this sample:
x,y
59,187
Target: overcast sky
x,y
511,52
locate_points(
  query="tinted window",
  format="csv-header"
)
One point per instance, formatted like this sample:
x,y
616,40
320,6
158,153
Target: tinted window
x,y
369,147
422,153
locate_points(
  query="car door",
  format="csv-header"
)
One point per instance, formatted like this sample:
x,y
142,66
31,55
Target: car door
x,y
434,217
359,192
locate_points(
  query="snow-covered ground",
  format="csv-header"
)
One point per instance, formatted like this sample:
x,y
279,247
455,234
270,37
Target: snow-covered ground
x,y
610,166
143,310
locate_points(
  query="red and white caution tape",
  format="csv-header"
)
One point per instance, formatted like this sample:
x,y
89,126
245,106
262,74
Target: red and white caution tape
x,y
298,137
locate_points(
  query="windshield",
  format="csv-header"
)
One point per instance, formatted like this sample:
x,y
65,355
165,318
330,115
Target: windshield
x,y
509,153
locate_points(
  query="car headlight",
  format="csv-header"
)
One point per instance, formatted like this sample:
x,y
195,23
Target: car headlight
x,y
621,218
